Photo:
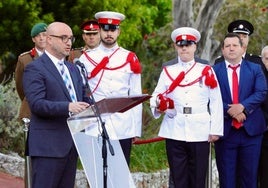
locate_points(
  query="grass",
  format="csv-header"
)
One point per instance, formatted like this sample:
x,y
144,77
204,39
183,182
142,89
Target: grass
x,y
148,157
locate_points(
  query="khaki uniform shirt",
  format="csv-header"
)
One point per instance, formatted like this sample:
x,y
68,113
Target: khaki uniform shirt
x,y
23,60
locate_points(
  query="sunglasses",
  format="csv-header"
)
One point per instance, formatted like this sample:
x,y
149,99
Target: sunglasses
x,y
109,27
185,43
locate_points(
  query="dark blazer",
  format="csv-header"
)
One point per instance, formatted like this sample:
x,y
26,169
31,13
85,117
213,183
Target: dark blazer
x,y
48,99
252,92
249,57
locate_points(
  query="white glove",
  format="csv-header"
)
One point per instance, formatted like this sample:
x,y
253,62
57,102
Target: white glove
x,y
171,112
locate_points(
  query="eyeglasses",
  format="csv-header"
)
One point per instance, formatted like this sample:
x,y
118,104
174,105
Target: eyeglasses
x,y
64,38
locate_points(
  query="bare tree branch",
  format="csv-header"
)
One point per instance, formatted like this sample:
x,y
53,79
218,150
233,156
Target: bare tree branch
x,y
207,12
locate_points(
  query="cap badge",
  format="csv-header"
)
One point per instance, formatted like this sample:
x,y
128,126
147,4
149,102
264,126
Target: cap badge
x,y
110,21
91,26
184,37
240,26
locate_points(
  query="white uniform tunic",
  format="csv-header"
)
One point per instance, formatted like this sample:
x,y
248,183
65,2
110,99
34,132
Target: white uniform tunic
x,y
197,125
115,83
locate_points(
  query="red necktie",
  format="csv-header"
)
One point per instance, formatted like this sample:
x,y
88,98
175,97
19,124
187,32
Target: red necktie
x,y
235,89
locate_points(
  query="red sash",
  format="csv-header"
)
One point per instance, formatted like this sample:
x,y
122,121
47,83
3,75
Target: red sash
x,y
207,72
131,58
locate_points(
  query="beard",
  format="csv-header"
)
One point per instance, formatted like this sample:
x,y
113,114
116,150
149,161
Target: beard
x,y
108,41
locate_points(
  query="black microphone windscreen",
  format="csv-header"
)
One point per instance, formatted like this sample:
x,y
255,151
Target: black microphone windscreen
x,y
77,62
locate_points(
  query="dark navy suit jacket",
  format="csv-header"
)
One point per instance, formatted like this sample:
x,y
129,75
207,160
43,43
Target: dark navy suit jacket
x,y
252,92
48,99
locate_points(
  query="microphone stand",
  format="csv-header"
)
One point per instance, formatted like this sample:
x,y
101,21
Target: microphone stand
x,y
105,137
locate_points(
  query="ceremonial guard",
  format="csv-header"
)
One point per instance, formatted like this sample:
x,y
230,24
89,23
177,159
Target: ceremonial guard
x,y
91,37
188,94
38,34
115,72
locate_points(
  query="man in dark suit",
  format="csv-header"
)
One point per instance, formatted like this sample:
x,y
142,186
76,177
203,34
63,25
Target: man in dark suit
x,y
238,151
54,157
245,29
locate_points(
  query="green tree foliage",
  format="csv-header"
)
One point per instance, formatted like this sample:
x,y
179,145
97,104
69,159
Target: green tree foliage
x,y
255,12
139,32
146,30
18,17
11,131
142,17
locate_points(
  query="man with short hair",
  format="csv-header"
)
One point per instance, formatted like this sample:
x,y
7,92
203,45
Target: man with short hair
x,y
243,89
38,34
91,37
115,72
188,95
54,89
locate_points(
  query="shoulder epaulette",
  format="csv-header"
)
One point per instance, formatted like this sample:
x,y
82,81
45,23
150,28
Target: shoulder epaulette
x,y
24,53
202,64
253,55
32,53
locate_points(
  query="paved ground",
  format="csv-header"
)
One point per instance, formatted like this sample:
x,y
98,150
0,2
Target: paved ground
x,y
8,181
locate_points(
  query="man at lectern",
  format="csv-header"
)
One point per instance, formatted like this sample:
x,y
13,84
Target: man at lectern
x,y
54,89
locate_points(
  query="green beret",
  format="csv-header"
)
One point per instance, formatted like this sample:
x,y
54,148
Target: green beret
x,y
38,28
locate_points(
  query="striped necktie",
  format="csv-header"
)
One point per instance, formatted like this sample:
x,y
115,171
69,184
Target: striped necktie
x,y
67,81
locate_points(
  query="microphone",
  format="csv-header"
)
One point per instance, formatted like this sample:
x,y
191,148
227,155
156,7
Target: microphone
x,y
77,62
88,92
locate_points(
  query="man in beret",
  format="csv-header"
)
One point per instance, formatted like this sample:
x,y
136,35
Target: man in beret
x,y
38,34
188,95
91,37
115,72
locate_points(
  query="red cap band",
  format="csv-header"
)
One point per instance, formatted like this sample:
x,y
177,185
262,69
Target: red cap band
x,y
91,27
111,21
186,37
